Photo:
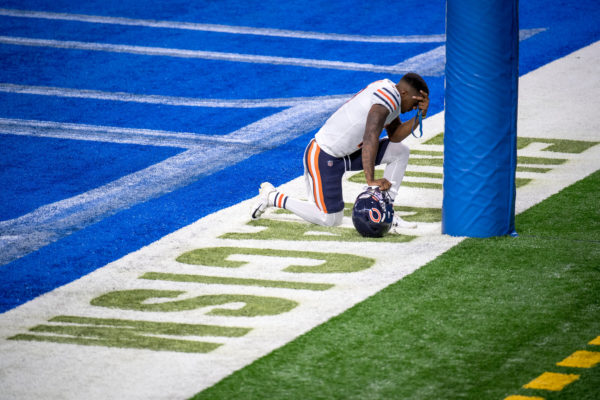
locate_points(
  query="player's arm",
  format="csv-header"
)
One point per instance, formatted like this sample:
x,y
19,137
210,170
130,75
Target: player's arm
x,y
374,126
402,130
392,126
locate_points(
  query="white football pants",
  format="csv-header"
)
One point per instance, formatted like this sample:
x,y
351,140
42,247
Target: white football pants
x,y
395,159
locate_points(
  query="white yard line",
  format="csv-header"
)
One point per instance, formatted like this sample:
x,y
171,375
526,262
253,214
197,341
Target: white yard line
x,y
199,54
54,91
238,30
110,134
63,371
430,63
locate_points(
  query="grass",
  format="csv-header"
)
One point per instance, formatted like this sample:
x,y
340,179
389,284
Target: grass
x,y
478,322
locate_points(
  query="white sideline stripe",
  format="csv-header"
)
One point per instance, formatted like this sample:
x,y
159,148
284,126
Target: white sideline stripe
x,y
240,30
199,54
158,99
25,234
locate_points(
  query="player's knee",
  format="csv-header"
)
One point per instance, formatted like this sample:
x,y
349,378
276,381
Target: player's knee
x,y
333,219
397,151
402,152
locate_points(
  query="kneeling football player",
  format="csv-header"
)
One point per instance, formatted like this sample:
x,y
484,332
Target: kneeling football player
x,y
350,141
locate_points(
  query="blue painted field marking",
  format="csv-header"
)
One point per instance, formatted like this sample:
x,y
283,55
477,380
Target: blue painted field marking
x,y
171,76
157,99
199,54
428,64
35,171
21,236
215,121
111,134
210,41
242,30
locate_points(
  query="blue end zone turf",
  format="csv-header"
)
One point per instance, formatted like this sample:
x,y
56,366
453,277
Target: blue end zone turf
x,y
209,41
170,76
35,171
114,236
371,17
205,120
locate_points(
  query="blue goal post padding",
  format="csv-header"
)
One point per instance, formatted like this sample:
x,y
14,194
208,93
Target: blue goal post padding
x,y
480,134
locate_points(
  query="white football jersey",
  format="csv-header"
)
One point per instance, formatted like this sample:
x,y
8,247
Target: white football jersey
x,y
343,132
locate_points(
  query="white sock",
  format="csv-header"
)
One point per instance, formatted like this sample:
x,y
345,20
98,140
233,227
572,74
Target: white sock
x,y
305,210
278,199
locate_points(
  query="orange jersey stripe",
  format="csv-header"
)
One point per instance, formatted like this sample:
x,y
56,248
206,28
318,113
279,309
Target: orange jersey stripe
x,y
316,173
387,97
309,167
323,208
313,172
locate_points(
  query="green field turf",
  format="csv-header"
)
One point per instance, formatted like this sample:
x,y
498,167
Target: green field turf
x,y
478,322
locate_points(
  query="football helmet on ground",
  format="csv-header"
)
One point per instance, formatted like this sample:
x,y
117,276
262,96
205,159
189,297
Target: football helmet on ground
x,y
373,212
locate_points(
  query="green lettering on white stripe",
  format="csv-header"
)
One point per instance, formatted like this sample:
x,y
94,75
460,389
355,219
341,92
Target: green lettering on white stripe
x,y
136,299
148,335
224,280
554,145
557,145
286,230
332,262
540,160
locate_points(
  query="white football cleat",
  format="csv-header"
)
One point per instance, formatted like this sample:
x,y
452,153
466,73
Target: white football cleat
x,y
399,223
263,200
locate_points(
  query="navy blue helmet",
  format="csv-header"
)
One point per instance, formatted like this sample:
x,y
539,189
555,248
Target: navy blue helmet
x,y
373,212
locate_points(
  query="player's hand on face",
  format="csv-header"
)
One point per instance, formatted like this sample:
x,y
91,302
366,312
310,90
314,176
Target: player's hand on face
x,y
383,183
422,102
